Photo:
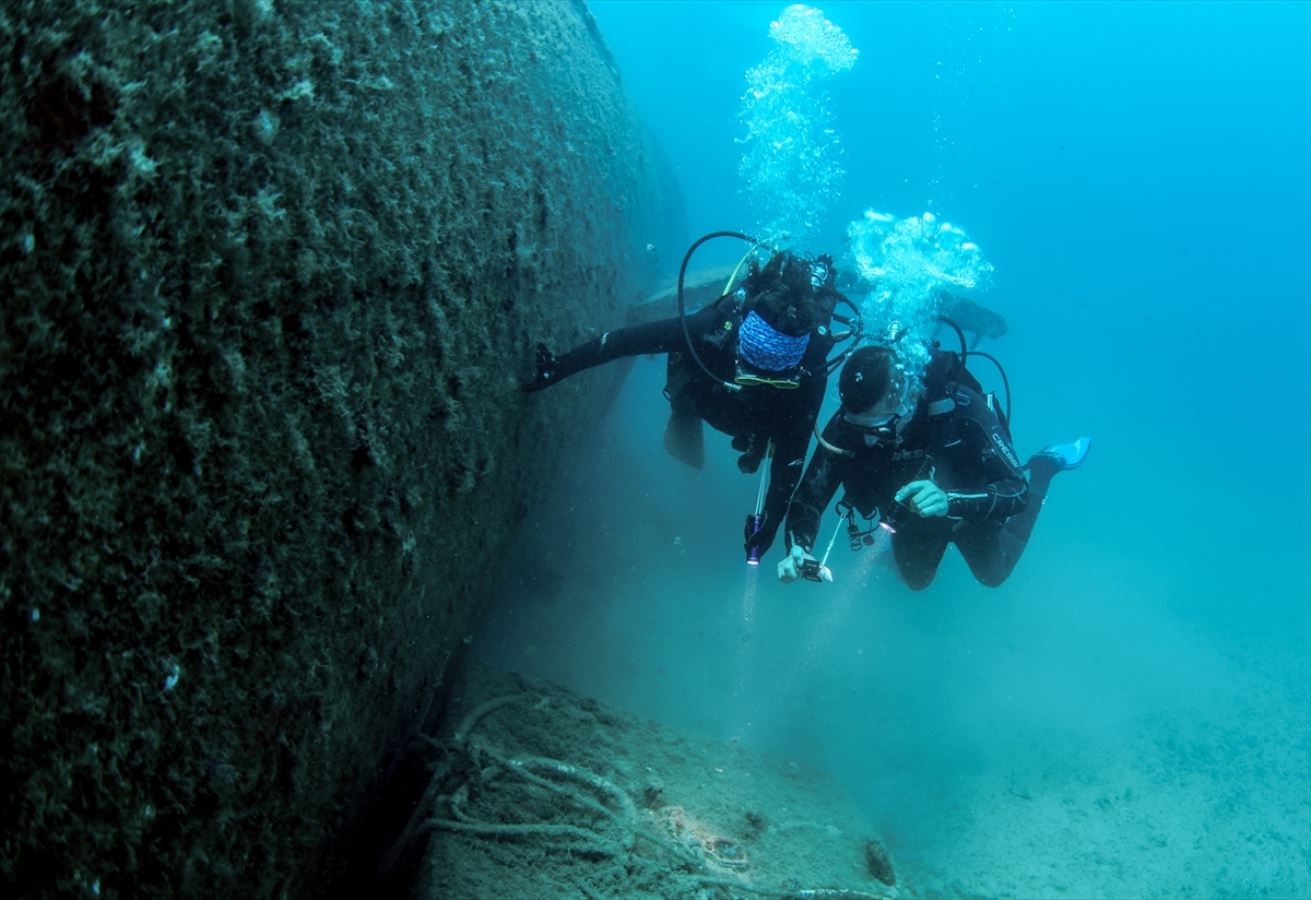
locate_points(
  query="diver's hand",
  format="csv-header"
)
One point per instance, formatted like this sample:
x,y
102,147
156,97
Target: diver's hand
x,y
754,450
789,567
924,498
792,565
545,377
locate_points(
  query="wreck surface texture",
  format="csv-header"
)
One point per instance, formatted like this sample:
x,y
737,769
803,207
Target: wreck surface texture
x,y
271,273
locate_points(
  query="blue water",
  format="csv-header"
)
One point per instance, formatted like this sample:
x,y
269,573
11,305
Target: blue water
x,y
1130,714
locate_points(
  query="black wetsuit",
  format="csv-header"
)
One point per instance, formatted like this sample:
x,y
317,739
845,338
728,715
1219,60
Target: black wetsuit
x,y
753,416
960,444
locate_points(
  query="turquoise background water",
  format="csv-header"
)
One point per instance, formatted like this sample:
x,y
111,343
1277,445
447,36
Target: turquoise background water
x,y
1130,714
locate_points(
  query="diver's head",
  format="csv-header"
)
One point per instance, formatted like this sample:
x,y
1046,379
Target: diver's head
x,y
876,393
787,300
793,294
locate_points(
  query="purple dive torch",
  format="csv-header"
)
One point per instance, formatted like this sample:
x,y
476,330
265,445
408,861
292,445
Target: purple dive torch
x,y
755,521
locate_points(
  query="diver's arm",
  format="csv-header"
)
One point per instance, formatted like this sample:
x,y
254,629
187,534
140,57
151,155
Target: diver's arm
x,y
827,470
1002,489
662,336
784,471
797,412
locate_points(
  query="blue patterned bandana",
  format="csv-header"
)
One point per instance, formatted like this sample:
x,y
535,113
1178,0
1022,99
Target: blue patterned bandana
x,y
767,349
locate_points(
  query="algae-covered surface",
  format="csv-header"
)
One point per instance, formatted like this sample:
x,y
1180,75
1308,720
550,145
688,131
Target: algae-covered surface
x,y
271,273
541,792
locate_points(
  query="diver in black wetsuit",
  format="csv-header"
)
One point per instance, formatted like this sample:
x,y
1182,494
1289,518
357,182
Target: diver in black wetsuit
x,y
766,345
932,470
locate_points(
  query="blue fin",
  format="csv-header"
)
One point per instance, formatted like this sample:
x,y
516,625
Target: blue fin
x,y
1068,456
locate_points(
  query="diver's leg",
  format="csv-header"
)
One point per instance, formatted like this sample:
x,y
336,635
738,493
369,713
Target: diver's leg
x,y
918,552
992,549
988,552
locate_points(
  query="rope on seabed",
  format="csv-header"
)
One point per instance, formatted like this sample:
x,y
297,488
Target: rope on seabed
x,y
573,837
800,893
476,715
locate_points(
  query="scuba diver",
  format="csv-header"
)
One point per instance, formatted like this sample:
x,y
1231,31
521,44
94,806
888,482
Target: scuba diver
x,y
929,460
753,364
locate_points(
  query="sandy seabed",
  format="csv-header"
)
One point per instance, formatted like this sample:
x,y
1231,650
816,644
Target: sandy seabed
x,y
1209,797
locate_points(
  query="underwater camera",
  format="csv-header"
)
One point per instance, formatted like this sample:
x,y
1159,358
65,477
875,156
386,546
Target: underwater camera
x,y
810,569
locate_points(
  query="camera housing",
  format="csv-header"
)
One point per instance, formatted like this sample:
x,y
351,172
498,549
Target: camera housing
x,y
810,569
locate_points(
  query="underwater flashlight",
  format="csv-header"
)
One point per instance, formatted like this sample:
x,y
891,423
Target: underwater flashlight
x,y
755,521
894,516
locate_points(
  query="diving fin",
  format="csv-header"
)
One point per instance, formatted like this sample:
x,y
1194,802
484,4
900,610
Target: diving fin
x,y
1067,456
683,437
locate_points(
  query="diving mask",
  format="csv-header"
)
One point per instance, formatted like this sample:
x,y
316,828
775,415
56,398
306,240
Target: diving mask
x,y
875,429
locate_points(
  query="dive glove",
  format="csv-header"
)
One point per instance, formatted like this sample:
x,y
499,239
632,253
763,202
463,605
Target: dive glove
x,y
545,377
